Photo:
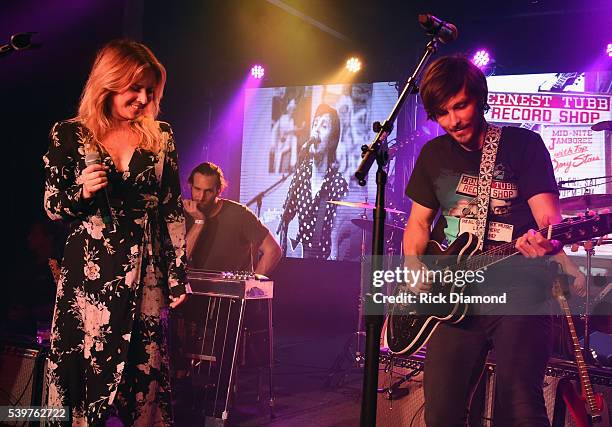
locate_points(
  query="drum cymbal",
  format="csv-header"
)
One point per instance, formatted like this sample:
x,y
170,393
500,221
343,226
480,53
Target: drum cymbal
x,y
366,224
585,202
361,205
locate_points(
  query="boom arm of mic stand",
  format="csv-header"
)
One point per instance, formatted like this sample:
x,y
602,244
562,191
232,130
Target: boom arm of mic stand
x,y
259,196
374,319
369,153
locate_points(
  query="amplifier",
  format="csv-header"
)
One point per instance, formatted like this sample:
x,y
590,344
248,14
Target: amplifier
x,y
403,405
22,372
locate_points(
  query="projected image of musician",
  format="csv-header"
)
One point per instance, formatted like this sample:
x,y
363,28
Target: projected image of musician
x,y
222,234
315,182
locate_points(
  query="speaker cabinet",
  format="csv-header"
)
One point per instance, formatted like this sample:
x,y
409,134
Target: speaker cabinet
x,y
401,397
22,372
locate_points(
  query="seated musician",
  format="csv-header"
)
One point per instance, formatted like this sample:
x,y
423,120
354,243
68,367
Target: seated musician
x,y
222,234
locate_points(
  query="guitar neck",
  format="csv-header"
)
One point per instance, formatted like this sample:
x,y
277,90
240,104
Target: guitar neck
x,y
574,230
585,381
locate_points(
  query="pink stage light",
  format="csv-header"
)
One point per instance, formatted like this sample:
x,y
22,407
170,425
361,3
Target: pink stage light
x,y
481,58
257,71
609,50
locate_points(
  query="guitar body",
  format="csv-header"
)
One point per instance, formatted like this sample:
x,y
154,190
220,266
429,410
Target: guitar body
x,y
409,326
578,408
587,408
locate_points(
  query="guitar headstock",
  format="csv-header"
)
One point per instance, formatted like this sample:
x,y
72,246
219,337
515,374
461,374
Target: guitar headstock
x,y
557,289
583,227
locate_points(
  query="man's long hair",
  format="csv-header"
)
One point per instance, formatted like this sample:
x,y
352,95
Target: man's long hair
x,y
210,169
118,65
445,77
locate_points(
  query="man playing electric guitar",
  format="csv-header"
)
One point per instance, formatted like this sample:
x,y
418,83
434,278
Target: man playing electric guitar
x,y
523,198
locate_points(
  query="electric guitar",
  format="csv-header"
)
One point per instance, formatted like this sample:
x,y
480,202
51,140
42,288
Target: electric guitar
x,y
588,408
408,326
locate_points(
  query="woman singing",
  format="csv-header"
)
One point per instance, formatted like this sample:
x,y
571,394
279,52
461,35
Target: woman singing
x,y
108,349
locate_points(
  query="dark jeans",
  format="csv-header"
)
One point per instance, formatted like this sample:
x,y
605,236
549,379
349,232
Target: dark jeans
x,y
455,361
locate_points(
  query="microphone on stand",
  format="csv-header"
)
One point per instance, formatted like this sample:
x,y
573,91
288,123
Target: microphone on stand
x,y
19,41
93,158
444,31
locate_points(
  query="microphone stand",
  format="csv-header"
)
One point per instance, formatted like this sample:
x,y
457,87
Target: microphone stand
x,y
373,319
258,199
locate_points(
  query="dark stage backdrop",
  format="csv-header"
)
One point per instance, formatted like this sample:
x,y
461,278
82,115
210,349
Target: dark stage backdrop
x,y
37,88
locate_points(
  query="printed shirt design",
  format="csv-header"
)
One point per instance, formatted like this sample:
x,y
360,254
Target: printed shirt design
x,y
462,204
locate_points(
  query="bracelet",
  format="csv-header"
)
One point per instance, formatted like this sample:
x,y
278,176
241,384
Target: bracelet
x,y
199,221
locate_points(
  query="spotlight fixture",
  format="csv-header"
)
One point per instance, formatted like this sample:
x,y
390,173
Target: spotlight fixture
x,y
353,64
257,71
481,58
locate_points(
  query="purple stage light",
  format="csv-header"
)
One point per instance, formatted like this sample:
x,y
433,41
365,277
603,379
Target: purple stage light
x,y
481,58
257,71
609,49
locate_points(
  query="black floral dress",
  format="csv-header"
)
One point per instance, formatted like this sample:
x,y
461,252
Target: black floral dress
x,y
108,346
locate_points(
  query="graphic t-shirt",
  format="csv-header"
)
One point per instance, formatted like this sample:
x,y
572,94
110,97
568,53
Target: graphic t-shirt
x,y
446,177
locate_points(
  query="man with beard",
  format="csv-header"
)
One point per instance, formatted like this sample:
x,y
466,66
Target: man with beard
x,y
223,234
454,93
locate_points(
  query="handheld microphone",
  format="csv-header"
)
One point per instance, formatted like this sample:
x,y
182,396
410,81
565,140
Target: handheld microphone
x,y
444,31
311,142
308,147
93,158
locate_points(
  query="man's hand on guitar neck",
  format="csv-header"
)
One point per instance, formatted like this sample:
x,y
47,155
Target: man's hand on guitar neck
x,y
533,245
545,210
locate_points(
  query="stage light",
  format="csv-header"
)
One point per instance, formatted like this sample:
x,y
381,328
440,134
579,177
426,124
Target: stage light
x,y
609,49
481,58
257,71
353,64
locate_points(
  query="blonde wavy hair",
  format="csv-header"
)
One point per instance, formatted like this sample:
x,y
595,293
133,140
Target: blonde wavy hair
x,y
118,65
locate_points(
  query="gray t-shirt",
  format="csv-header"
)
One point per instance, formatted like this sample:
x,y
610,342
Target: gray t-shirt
x,y
228,240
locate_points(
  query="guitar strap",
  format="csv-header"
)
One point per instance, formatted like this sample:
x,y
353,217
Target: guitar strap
x,y
485,178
